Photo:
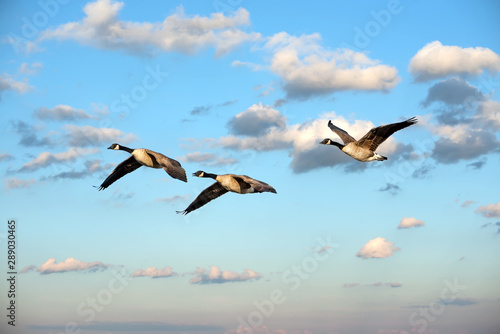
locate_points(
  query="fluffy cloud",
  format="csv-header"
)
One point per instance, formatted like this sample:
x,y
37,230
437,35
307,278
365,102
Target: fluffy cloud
x,y
45,159
256,121
215,275
410,222
102,28
62,113
453,91
207,159
377,248
15,183
70,264
91,136
490,211
8,83
308,69
436,60
303,142
154,272
467,122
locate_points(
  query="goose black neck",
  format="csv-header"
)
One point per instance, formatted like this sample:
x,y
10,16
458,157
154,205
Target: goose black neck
x,y
125,148
212,176
339,145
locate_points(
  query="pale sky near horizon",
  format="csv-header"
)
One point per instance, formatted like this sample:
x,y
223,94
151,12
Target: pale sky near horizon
x,y
408,245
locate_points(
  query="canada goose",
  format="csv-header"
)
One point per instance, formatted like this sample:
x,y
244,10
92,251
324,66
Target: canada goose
x,y
143,157
240,184
364,149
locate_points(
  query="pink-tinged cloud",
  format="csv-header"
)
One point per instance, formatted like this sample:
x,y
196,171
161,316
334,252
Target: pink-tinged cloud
x,y
377,248
154,272
489,211
70,264
467,203
410,222
216,275
15,183
27,269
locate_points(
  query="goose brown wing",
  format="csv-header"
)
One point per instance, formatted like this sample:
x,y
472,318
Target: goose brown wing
x,y
259,186
346,138
121,170
174,169
171,166
378,135
211,193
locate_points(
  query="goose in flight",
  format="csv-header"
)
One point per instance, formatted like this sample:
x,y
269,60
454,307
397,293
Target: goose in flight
x,y
364,149
240,184
143,157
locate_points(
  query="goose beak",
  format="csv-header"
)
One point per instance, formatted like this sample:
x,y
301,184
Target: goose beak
x,y
110,148
194,174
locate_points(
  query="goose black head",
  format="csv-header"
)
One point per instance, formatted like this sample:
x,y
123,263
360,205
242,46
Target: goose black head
x,y
326,141
199,173
114,147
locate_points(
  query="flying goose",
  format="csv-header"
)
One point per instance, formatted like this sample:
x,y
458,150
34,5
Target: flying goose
x,y
240,184
364,149
143,157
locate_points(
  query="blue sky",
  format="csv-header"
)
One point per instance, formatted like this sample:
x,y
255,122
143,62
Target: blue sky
x,y
408,245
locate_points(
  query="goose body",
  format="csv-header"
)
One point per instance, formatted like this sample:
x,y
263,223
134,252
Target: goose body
x,y
240,184
364,148
143,157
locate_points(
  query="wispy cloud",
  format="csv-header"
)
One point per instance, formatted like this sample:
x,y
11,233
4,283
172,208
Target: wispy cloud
x,y
216,276
80,136
436,60
134,327
15,183
102,28
30,69
173,199
62,113
391,188
6,157
377,284
70,264
91,167
155,272
377,248
45,159
8,83
207,159
29,135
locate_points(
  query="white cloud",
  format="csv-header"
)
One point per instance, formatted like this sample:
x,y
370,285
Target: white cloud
x,y
216,275
70,264
303,141
490,211
408,222
173,198
377,248
45,159
91,136
27,269
154,272
62,113
8,83
15,183
102,28
436,60
467,203
308,69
